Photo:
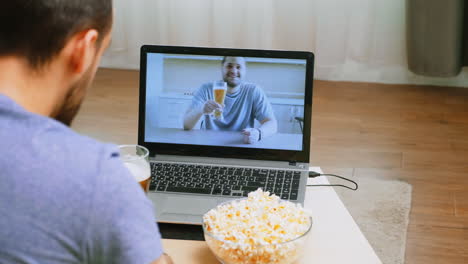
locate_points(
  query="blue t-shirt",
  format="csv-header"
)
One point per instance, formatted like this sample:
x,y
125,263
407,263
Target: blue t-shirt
x,y
65,198
240,110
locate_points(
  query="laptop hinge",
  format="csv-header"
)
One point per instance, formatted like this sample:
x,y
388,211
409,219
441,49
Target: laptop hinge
x,y
292,163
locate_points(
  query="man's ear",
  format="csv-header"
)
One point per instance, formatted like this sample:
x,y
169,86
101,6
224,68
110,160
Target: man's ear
x,y
81,50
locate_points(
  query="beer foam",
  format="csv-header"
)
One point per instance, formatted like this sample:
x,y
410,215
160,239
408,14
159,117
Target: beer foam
x,y
139,168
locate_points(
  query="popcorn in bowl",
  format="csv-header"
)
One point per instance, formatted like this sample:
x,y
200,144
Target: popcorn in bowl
x,y
259,229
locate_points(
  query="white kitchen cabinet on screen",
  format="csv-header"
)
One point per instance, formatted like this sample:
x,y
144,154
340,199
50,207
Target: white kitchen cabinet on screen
x,y
171,112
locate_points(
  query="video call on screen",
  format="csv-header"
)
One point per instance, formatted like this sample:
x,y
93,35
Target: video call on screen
x,y
178,84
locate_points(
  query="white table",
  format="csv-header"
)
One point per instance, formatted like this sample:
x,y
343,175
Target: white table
x,y
335,237
222,138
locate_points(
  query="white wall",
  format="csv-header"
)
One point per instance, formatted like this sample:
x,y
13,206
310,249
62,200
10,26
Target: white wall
x,y
284,78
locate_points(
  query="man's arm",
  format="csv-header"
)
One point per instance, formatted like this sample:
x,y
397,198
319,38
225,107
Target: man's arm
x,y
269,126
191,117
121,230
265,114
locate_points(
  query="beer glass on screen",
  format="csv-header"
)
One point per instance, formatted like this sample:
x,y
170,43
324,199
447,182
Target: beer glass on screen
x,y
135,158
219,93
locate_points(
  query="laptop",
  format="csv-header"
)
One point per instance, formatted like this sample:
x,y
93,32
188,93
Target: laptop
x,y
197,166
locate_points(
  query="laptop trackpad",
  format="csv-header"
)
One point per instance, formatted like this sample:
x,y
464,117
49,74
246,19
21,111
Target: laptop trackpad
x,y
188,205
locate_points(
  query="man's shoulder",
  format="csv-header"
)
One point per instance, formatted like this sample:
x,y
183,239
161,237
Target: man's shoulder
x,y
252,89
80,151
249,85
50,131
57,164
206,86
204,90
51,145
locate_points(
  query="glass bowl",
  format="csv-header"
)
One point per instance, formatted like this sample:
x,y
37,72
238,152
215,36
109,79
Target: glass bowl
x,y
229,252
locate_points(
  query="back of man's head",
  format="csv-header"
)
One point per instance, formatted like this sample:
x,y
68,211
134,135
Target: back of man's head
x,y
37,30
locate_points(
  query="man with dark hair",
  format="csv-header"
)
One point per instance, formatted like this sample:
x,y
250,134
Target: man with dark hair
x,y
244,103
64,198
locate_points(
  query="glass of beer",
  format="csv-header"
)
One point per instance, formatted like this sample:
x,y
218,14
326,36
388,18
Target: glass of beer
x,y
219,94
136,160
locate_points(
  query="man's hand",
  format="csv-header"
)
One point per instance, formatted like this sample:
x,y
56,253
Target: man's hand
x,y
251,135
210,106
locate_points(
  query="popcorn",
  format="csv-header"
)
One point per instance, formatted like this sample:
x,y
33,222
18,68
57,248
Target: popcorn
x,y
259,229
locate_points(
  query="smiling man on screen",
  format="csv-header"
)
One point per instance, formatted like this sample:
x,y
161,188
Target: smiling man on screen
x,y
244,103
64,198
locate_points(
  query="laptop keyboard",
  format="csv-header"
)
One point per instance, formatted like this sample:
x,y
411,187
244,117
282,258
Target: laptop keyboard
x,y
223,181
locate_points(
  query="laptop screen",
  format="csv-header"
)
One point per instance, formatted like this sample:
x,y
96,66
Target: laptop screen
x,y
220,99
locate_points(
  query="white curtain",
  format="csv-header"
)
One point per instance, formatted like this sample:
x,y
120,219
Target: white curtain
x,y
353,40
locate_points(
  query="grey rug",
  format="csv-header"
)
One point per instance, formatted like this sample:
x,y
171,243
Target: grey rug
x,y
381,209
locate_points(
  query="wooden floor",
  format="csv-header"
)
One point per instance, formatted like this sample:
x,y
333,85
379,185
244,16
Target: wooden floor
x,y
418,134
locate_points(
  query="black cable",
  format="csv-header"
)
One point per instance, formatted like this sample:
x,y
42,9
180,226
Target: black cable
x,y
313,174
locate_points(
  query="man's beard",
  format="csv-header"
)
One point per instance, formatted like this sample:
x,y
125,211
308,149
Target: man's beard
x,y
73,99
232,83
